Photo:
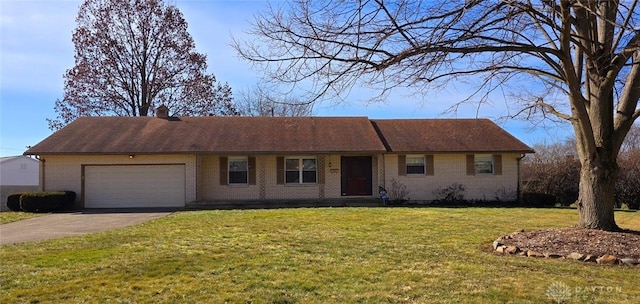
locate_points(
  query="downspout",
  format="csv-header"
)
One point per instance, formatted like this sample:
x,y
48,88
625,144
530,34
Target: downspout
x,y
384,171
42,172
519,186
199,186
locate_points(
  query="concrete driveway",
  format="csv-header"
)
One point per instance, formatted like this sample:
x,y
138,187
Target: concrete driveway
x,y
58,225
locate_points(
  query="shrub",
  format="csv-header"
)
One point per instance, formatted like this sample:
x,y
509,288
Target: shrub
x,y
453,193
628,191
69,200
42,201
554,169
628,183
506,195
13,201
533,199
633,205
399,192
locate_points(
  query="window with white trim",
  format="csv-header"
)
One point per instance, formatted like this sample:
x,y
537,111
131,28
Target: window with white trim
x,y
301,170
238,170
415,165
483,163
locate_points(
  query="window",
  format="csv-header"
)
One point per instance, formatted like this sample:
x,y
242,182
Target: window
x,y
238,170
300,171
483,163
415,164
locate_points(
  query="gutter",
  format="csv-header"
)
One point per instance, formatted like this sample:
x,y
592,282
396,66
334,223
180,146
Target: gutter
x,y
519,186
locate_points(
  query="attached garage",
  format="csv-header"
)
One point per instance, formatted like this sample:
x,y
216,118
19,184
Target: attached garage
x,y
134,186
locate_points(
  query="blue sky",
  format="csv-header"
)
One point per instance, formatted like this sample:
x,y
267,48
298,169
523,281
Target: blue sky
x,y
36,50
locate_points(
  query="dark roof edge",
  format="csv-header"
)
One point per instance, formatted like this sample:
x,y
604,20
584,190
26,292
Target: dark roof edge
x,y
389,151
207,152
381,136
462,152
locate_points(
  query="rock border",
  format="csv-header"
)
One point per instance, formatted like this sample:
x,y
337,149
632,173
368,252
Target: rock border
x,y
607,259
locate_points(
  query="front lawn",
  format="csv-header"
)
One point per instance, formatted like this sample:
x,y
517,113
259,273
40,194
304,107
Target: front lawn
x,y
325,255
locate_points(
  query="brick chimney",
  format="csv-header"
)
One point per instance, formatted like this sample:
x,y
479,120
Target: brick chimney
x,y
162,112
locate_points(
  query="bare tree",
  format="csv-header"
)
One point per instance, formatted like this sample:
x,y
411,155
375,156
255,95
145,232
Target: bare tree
x,y
632,141
130,57
263,101
585,53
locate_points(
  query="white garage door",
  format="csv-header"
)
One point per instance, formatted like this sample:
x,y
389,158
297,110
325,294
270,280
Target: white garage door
x,y
134,186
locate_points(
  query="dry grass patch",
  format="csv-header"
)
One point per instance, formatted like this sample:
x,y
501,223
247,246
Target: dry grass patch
x,y
13,216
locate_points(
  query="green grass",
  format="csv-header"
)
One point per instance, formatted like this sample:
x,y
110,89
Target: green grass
x,y
339,255
12,216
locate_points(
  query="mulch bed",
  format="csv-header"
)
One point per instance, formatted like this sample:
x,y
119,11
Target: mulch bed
x,y
564,241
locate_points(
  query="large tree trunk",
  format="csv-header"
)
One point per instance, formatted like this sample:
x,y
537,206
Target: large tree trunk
x,y
596,198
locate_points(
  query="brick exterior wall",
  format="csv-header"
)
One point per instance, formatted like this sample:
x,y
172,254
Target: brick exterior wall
x,y
203,177
450,169
212,190
266,186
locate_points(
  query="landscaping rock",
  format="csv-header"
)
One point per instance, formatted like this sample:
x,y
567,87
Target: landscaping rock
x,y
609,248
512,249
552,255
607,259
535,254
576,256
630,262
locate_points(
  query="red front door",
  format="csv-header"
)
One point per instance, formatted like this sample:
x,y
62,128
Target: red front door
x,y
356,175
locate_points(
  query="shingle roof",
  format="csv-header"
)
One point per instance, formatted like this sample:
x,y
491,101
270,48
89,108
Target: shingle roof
x,y
138,135
151,135
446,135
